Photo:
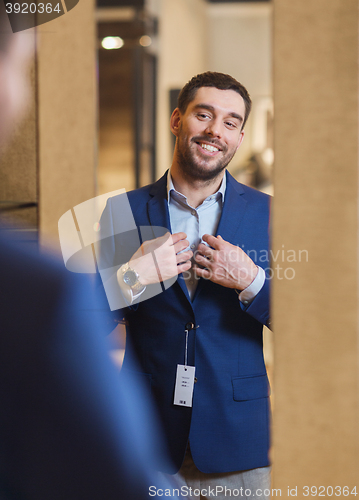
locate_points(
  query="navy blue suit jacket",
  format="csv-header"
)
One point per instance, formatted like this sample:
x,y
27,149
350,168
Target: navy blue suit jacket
x,y
228,425
70,427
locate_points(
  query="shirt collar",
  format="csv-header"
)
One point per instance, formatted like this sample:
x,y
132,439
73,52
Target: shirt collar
x,y
171,188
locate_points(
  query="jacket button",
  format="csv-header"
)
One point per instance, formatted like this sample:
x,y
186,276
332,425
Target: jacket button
x,y
195,379
189,326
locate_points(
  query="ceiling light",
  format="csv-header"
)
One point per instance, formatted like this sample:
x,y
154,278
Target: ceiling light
x,y
112,42
145,41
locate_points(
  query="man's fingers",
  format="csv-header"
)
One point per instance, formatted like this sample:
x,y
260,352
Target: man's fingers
x,y
184,267
183,257
204,250
202,261
202,273
178,237
213,241
180,246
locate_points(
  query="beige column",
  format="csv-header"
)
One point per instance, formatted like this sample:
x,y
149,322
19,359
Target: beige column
x,y
52,157
67,113
18,162
315,240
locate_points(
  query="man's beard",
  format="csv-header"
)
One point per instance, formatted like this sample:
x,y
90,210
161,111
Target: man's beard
x,y
191,166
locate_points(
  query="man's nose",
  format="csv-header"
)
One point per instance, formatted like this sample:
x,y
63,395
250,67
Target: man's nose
x,y
214,129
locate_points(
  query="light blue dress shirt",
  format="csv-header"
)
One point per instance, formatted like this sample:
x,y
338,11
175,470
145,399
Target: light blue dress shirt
x,y
196,222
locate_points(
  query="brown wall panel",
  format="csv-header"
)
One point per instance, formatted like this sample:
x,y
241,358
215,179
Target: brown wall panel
x,y
316,432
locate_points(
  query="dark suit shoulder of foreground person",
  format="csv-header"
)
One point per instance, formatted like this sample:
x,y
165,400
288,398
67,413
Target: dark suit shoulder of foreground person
x,y
70,427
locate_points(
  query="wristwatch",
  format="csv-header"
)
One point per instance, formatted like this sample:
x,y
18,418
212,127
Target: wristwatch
x,y
131,278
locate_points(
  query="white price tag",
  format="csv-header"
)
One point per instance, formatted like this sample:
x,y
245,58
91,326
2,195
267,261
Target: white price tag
x,y
184,385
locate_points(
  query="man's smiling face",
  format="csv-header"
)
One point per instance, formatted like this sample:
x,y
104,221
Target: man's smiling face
x,y
208,133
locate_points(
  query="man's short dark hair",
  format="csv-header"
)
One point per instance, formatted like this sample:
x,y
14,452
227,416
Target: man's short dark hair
x,y
220,81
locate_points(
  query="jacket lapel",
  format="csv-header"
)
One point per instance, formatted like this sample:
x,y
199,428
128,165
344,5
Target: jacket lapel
x,y
158,214
233,212
157,206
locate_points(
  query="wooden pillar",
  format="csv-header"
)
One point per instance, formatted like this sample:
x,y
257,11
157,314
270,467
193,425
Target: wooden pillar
x,y
51,159
315,239
67,113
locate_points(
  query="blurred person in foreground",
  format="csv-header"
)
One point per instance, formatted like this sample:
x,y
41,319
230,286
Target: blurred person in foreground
x,y
69,429
199,339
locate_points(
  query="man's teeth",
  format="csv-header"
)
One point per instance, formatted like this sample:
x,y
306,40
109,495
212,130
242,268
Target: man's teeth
x,y
212,149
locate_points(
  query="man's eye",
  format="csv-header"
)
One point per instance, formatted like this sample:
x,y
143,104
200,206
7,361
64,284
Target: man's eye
x,y
230,124
203,116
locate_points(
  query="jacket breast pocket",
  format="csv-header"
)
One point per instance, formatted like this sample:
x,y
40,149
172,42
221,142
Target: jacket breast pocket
x,y
247,388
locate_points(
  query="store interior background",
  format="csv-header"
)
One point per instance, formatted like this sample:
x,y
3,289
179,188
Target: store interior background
x,y
161,45
164,45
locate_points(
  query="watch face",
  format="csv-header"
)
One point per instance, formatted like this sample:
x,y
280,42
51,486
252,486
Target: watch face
x,y
130,277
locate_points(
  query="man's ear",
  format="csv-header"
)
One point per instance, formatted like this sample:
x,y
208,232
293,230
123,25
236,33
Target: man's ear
x,y
175,121
241,137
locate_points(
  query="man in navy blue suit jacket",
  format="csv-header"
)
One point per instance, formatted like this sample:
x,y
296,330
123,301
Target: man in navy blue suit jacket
x,y
199,340
70,429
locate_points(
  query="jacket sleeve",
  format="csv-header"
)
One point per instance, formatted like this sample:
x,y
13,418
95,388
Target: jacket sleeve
x,y
259,308
119,239
70,428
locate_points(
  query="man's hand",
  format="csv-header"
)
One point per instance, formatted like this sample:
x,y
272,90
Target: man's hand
x,y
159,259
224,263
